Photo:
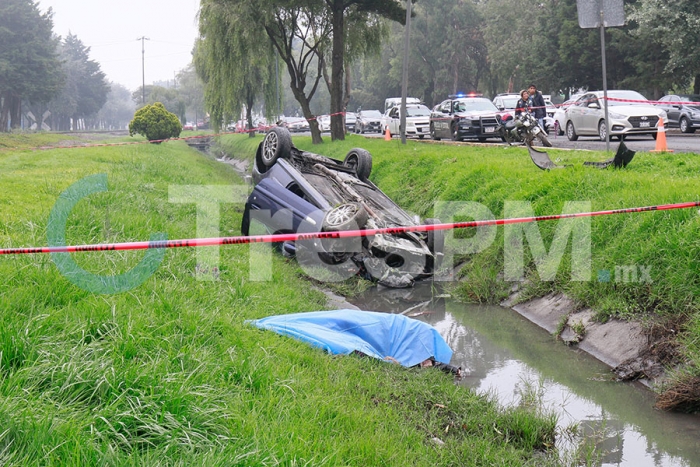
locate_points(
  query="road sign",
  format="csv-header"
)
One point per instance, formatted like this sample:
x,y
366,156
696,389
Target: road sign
x,y
590,13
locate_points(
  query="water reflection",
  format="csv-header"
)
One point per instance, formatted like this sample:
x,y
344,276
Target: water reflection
x,y
515,360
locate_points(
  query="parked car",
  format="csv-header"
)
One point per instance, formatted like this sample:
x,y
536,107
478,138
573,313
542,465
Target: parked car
x,y
506,103
550,107
560,114
368,120
296,124
298,191
629,112
396,102
417,120
682,110
324,123
464,117
350,121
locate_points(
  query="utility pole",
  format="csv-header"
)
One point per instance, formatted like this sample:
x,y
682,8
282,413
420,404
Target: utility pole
x,y
404,80
143,68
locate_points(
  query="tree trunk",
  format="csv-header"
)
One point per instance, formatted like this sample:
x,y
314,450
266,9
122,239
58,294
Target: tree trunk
x,y
337,65
15,112
249,115
696,86
346,98
306,110
4,113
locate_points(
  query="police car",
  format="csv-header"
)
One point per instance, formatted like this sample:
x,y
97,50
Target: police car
x,y
464,117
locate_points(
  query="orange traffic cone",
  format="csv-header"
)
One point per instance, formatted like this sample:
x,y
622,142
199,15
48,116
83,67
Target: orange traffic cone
x,y
661,138
387,134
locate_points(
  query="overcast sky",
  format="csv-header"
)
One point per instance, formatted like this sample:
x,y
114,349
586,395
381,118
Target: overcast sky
x,y
111,28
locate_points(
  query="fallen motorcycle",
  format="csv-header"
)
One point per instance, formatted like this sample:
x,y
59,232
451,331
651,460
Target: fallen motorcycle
x,y
523,128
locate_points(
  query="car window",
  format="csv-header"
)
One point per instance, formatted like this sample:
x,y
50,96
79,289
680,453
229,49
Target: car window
x,y
626,97
476,105
510,102
371,114
421,111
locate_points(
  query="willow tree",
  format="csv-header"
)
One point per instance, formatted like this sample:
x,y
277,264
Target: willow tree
x,y
235,62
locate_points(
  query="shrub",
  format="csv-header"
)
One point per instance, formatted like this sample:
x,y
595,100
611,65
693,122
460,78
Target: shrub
x,y
155,123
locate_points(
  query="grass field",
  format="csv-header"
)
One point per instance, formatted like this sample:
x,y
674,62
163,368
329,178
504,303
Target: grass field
x,y
643,266
167,372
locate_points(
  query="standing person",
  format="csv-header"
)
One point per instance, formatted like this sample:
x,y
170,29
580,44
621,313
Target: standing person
x,y
524,103
538,105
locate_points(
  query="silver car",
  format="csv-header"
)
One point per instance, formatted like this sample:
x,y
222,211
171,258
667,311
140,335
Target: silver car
x,y
629,113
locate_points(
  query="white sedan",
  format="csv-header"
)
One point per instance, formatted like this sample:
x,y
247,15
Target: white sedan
x,y
629,114
417,120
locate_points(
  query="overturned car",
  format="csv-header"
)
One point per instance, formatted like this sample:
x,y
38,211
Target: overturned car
x,y
301,192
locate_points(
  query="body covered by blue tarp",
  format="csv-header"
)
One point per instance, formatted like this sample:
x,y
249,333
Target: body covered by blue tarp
x,y
379,335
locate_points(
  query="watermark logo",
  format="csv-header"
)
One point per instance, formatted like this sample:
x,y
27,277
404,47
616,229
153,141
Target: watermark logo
x,y
627,274
56,236
398,258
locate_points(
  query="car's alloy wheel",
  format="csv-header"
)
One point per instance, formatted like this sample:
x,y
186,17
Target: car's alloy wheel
x,y
345,216
602,130
277,143
684,125
571,132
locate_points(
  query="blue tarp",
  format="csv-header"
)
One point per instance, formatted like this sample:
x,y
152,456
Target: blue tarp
x,y
379,335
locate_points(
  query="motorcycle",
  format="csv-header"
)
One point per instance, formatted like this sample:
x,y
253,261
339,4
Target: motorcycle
x,y
523,128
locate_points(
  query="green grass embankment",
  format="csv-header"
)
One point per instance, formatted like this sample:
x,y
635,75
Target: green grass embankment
x,y
643,266
168,373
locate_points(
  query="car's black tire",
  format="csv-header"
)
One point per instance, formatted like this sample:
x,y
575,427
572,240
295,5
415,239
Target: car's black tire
x,y
345,216
602,130
436,245
571,131
432,133
560,132
654,135
361,161
685,126
277,143
543,138
454,130
421,136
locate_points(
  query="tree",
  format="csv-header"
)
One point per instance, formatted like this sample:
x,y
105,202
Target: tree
x,y
155,123
191,90
85,89
29,65
234,59
674,25
337,10
118,110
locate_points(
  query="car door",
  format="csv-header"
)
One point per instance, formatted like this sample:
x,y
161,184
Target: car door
x,y
671,104
593,112
575,112
394,121
443,122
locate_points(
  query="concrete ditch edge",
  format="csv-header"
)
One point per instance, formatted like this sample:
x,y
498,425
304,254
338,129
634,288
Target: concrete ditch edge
x,y
622,345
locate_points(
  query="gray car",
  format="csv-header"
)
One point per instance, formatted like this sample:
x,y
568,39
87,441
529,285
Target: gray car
x,y
683,111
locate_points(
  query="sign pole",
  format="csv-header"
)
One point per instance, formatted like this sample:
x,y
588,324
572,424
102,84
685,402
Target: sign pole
x,y
605,78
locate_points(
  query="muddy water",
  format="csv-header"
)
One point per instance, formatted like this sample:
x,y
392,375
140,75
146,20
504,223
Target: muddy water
x,y
519,363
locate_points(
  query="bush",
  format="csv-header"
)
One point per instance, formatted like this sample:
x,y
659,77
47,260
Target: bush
x,y
155,123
